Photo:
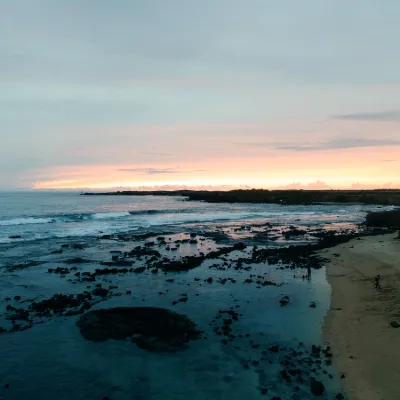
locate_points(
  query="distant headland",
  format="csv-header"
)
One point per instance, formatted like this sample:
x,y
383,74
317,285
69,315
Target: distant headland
x,y
287,197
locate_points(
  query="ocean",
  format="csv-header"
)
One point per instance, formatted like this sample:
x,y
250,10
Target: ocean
x,y
47,215
45,357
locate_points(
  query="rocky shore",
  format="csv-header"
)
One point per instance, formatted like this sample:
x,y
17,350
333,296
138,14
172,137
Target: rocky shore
x,y
136,288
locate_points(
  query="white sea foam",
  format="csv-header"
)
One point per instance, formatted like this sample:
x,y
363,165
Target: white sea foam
x,y
110,215
25,221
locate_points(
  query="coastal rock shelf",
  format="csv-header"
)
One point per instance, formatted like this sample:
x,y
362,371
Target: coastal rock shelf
x,y
388,219
153,329
305,197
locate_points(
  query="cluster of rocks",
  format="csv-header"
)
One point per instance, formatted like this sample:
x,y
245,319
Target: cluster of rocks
x,y
57,305
61,270
223,324
76,260
284,301
27,264
302,368
157,329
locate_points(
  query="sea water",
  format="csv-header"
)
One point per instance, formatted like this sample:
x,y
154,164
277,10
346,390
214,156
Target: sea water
x,y
52,361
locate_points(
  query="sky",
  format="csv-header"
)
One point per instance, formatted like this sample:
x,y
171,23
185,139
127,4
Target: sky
x,y
213,93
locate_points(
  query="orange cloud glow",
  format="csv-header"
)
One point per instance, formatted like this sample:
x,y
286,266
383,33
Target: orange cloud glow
x,y
338,152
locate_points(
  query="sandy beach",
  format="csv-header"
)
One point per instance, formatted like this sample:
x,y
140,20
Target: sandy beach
x,y
365,346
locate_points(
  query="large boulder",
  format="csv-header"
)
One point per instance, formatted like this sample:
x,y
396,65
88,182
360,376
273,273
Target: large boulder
x,y
317,388
388,219
153,329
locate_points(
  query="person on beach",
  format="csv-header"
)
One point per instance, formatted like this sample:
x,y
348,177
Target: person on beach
x,y
308,272
377,281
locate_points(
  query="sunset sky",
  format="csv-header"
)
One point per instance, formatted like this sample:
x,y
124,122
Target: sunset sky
x,y
102,94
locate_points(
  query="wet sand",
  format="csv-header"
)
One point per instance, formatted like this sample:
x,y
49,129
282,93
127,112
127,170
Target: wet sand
x,y
366,348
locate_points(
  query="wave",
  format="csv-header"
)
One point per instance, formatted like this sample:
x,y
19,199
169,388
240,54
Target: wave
x,y
151,212
26,221
110,215
68,218
160,217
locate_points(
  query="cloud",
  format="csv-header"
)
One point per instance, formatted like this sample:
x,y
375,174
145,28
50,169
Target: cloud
x,y
70,67
157,154
158,171
318,185
362,186
335,144
373,116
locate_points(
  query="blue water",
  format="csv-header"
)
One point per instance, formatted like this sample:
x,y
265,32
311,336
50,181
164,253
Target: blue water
x,y
52,361
42,215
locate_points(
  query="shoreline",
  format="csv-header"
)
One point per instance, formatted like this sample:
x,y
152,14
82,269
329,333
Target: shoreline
x,y
365,347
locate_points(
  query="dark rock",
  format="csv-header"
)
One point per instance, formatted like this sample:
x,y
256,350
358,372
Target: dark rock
x,y
267,283
23,265
77,260
15,237
184,264
339,396
263,390
284,301
117,262
183,299
58,303
315,351
239,246
99,291
79,246
387,219
153,329
317,388
18,313
140,251
17,298
395,324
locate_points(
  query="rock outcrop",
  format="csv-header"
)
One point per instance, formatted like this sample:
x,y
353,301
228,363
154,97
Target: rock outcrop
x,y
153,329
387,219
